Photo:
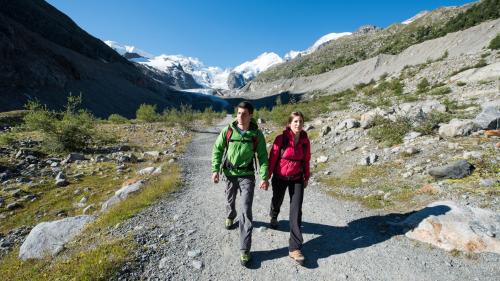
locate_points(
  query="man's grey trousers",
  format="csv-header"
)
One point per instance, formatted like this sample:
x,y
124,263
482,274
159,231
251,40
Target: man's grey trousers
x,y
246,186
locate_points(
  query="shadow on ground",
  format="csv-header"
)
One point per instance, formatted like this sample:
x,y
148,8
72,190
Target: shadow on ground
x,y
333,240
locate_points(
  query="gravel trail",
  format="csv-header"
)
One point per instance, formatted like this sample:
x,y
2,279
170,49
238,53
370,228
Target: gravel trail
x,y
183,238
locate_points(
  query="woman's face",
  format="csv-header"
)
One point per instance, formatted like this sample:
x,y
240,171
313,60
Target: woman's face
x,y
297,124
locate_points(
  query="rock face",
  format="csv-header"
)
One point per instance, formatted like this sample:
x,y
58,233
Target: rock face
x,y
450,226
121,194
456,128
489,118
49,238
235,81
455,170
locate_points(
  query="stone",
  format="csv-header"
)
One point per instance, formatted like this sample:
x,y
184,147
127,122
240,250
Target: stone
x,y
487,182
308,127
61,180
472,154
411,136
121,194
348,124
194,253
163,263
367,119
49,238
87,209
197,264
351,148
455,170
489,118
411,151
261,121
151,154
146,171
322,159
325,130
457,127
72,157
13,206
450,226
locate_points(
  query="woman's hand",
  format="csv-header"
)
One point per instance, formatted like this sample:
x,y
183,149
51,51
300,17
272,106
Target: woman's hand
x,y
305,183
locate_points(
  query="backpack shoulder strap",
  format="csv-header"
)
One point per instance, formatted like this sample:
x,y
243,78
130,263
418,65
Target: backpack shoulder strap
x,y
229,133
254,142
284,144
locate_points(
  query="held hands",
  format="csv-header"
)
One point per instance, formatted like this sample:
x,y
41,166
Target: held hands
x,y
215,177
264,185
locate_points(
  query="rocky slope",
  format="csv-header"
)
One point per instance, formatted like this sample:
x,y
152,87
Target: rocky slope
x,y
44,55
462,49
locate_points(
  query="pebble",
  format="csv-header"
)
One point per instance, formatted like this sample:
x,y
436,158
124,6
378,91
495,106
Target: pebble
x,y
197,264
194,253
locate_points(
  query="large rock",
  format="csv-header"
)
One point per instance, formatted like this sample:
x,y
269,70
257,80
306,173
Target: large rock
x,y
449,226
489,118
49,238
366,120
455,170
348,124
456,128
121,194
418,109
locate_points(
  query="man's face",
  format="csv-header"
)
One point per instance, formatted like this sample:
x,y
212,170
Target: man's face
x,y
243,116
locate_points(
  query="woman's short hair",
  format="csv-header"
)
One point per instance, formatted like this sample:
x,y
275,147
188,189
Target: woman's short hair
x,y
295,114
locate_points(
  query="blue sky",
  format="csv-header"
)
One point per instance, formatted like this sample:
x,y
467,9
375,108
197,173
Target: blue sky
x,y
226,33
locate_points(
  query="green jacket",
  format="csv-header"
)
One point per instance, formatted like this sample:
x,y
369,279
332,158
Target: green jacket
x,y
240,152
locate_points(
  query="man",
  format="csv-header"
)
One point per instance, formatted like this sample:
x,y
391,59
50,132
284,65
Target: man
x,y
240,143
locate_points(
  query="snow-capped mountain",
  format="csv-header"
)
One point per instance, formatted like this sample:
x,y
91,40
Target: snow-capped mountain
x,y
205,76
250,69
417,16
324,39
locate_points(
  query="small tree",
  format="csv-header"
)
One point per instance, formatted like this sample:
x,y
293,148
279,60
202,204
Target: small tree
x,y
423,85
147,113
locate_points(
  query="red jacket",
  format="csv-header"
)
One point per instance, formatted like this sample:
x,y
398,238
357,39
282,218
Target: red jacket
x,y
296,158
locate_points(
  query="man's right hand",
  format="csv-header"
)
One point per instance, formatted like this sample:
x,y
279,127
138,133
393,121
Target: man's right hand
x,y
215,177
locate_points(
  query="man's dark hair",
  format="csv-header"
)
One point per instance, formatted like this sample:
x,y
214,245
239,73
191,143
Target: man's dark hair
x,y
246,105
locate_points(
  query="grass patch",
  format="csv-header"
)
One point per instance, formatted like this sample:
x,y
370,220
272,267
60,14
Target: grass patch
x,y
390,132
99,263
495,43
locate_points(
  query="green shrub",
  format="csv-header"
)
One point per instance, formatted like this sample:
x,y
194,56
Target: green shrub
x,y
431,122
461,83
147,113
117,119
390,132
495,43
439,91
71,130
481,63
7,138
423,85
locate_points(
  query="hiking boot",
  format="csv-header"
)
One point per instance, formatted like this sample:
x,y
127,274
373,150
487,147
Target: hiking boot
x,y
245,257
273,223
228,223
297,256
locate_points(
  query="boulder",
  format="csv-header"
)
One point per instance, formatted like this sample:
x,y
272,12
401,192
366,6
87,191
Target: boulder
x,y
322,159
348,124
455,170
456,128
489,118
121,194
72,157
366,120
49,238
325,130
450,226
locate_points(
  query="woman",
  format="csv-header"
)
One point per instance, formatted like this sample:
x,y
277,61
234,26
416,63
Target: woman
x,y
289,164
